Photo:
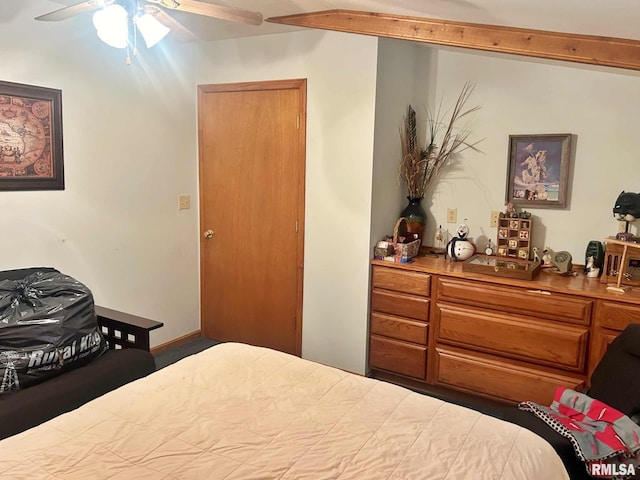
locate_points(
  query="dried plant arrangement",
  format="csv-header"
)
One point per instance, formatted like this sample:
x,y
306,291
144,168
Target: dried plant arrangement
x,y
420,166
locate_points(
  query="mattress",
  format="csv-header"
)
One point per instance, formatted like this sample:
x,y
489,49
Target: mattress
x,y
236,411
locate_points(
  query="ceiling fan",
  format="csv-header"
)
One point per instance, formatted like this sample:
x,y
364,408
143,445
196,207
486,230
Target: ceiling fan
x,y
151,12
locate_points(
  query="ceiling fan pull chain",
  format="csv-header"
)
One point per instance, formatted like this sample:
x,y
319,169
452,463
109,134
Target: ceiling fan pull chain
x,y
135,36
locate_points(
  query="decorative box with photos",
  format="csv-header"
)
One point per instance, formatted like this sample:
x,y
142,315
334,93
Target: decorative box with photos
x,y
514,237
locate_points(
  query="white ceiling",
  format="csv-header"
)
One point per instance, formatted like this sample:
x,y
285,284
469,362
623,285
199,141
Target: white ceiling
x,y
613,18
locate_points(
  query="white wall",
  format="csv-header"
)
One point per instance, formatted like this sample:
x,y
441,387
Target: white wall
x,y
517,96
406,76
395,89
524,96
341,73
130,148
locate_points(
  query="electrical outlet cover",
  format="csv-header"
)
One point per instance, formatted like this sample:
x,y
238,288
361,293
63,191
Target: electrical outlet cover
x,y
495,215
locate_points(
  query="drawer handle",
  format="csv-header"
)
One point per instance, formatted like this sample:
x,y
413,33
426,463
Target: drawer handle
x,y
541,292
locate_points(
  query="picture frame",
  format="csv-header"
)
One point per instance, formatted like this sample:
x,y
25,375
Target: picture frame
x,y
538,170
31,155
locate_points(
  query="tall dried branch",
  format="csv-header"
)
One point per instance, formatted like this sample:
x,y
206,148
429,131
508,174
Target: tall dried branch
x,y
412,163
420,167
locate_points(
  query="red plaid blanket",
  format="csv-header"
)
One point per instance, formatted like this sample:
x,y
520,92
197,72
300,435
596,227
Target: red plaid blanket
x,y
606,440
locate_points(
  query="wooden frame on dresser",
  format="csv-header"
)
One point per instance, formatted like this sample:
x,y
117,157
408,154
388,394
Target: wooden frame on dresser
x,y
433,326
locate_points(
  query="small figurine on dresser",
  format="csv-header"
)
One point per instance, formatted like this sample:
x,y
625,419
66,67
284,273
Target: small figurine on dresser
x,y
536,255
592,270
489,249
459,247
626,209
439,238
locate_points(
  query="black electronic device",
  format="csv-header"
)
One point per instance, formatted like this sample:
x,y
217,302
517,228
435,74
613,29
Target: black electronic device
x,y
595,249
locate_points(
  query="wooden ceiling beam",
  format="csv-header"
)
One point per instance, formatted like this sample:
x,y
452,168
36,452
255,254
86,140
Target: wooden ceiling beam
x,y
590,49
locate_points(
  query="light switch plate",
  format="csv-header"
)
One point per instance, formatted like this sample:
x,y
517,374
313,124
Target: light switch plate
x,y
184,202
452,215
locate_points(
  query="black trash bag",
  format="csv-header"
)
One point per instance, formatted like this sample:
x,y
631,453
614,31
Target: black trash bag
x,y
48,325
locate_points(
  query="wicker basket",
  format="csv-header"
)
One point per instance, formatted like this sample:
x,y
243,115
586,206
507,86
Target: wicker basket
x,y
402,252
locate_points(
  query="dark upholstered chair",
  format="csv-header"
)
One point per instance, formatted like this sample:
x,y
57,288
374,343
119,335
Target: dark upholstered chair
x,y
615,381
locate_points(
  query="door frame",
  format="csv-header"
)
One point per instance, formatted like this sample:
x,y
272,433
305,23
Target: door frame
x,y
300,85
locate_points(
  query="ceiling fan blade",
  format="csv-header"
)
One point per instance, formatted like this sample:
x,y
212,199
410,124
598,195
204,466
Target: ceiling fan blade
x,y
73,10
180,31
210,10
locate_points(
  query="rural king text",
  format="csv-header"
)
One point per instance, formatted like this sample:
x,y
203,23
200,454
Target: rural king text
x,y
39,358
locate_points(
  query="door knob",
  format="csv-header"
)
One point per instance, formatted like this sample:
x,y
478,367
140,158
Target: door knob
x,y
208,234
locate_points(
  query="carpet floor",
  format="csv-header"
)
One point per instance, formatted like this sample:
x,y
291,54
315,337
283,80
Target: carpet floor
x,y
173,354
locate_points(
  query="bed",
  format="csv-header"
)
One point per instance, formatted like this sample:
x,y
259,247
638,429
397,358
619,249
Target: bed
x,y
236,411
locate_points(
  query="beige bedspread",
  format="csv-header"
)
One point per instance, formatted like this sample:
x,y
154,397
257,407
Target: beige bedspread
x,y
241,412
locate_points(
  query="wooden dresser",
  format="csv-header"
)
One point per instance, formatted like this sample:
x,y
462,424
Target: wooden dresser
x,y
433,325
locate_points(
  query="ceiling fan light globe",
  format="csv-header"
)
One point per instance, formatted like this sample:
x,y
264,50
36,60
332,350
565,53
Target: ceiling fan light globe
x,y
151,29
111,25
116,40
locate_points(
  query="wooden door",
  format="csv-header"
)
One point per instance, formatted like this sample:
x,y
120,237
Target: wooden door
x,y
252,156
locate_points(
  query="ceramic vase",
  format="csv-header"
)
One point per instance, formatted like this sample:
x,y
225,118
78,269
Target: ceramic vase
x,y
416,217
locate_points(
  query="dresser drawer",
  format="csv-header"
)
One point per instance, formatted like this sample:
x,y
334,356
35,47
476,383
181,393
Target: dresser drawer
x,y
498,378
400,304
400,328
398,357
399,280
538,303
515,336
615,315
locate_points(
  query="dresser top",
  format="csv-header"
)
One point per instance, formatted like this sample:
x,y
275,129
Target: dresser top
x,y
576,284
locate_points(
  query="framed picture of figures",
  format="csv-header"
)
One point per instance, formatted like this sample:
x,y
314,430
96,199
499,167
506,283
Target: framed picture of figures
x,y
30,138
538,170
